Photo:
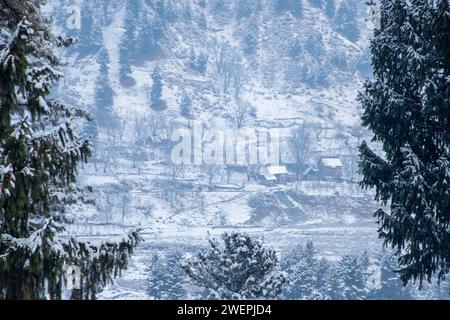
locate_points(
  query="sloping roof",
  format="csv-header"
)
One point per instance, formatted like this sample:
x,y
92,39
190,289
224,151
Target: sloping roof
x,y
310,170
269,177
331,162
274,170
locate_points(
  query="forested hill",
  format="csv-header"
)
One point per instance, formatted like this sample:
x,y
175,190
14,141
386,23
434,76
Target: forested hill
x,y
299,58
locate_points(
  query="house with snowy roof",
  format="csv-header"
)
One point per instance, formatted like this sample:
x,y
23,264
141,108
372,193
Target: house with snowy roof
x,y
272,175
330,167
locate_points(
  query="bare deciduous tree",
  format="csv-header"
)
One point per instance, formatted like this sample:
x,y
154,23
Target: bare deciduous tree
x,y
221,54
239,79
212,171
140,137
300,144
240,113
176,170
228,66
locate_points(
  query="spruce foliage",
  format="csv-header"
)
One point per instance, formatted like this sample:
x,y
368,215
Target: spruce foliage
x,y
39,154
406,106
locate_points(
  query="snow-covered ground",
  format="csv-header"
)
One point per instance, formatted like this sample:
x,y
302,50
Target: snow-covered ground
x,y
332,239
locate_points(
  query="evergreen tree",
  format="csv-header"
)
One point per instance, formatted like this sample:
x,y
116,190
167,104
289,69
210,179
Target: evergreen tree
x,y
352,271
345,20
39,154
296,8
391,286
157,103
296,49
330,8
301,269
202,22
217,6
193,60
406,106
91,131
90,35
170,13
281,6
104,94
334,289
187,13
146,43
160,9
316,3
198,63
245,8
202,62
250,37
166,277
128,46
158,29
241,268
186,106
323,285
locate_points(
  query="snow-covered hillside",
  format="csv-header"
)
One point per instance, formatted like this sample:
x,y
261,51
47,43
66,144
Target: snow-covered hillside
x,y
299,60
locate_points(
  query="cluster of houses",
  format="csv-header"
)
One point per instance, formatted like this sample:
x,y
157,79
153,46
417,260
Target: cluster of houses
x,y
327,168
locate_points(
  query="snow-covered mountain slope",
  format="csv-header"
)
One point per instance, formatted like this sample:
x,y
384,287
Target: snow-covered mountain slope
x,y
301,60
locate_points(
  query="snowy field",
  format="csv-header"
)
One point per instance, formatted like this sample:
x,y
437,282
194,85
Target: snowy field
x,y
333,240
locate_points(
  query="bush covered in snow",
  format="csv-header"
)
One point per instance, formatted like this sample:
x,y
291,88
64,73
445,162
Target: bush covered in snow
x,y
240,268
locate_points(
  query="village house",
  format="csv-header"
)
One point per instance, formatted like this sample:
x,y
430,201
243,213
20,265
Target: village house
x,y
331,168
272,175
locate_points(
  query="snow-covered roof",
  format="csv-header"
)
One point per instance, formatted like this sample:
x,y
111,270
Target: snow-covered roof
x,y
274,170
269,177
310,170
332,162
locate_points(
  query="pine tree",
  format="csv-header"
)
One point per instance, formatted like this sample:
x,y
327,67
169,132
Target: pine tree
x,y
202,22
330,8
159,27
90,35
104,94
281,6
128,47
250,37
186,106
187,13
295,49
335,288
146,42
170,12
392,287
296,8
316,3
166,278
193,60
345,20
160,9
352,272
245,8
301,268
323,285
202,62
241,268
39,154
157,103
406,106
